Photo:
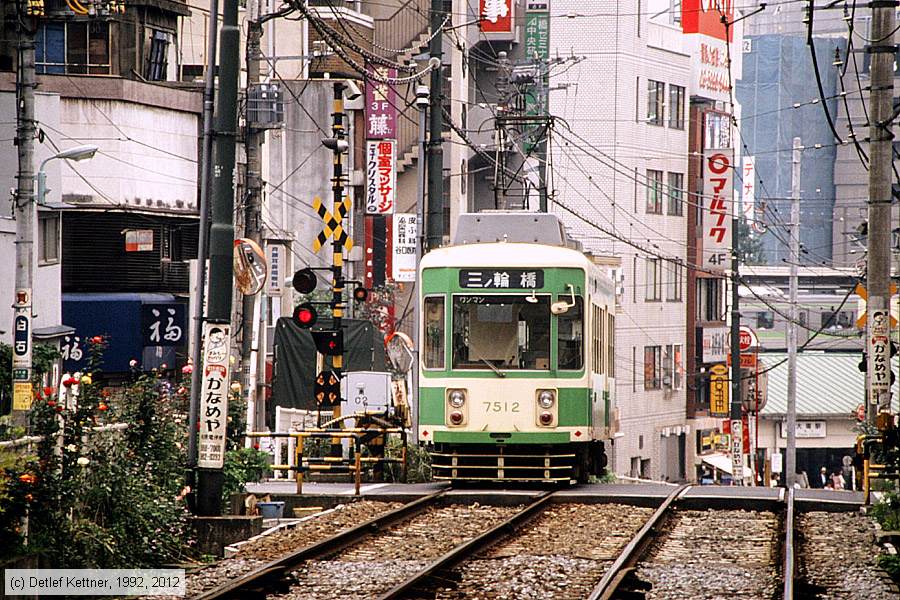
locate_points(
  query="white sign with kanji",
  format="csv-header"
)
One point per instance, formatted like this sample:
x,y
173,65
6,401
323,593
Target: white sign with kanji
x,y
214,396
381,176
879,354
403,247
717,196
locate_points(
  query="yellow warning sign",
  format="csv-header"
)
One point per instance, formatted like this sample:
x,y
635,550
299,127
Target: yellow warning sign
x,y
333,227
862,315
22,395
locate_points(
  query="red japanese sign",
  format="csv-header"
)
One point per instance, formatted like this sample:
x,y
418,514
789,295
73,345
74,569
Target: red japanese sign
x,y
496,16
705,16
381,176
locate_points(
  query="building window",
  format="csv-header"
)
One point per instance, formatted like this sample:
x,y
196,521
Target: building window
x,y
73,47
709,299
653,279
611,345
765,320
675,282
48,238
668,366
678,368
157,56
654,192
652,367
656,97
676,106
676,194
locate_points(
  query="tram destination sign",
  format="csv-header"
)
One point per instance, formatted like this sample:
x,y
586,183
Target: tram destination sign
x,y
501,279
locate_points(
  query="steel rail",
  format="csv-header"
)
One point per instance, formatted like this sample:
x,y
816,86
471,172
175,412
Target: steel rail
x,y
471,547
264,575
629,556
789,558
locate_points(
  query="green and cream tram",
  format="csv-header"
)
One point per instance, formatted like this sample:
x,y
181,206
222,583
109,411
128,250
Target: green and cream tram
x,y
516,357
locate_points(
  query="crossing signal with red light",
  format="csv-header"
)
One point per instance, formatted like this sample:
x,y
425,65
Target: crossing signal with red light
x,y
360,294
329,343
327,389
305,315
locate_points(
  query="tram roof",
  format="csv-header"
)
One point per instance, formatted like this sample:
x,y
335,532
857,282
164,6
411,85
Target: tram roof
x,y
505,254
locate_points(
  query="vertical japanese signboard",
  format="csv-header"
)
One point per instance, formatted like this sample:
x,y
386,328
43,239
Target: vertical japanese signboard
x,y
21,356
879,354
717,196
537,51
737,449
381,106
718,390
748,187
274,256
381,176
403,247
214,397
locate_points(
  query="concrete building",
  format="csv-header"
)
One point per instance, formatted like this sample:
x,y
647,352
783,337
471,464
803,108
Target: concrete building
x,y
125,221
618,176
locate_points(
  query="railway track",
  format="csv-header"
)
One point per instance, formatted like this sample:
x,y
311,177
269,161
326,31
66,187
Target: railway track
x,y
451,547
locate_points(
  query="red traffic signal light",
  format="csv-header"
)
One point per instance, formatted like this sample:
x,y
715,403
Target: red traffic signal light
x,y
305,315
329,343
304,281
360,294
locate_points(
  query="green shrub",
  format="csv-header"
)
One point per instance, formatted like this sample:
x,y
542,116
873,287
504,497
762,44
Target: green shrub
x,y
241,467
887,512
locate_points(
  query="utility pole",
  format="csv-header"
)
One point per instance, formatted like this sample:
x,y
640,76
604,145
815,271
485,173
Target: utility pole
x,y
209,86
214,400
878,272
252,221
24,214
422,105
737,423
790,453
435,223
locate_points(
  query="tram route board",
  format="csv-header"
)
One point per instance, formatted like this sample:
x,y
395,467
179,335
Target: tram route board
x,y
501,279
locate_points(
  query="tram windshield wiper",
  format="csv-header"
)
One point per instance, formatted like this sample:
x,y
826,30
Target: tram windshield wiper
x,y
492,367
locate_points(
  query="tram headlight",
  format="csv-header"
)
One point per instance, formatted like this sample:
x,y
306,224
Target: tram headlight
x,y
546,398
457,398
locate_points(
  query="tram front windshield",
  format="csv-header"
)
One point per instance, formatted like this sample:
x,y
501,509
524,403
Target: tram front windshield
x,y
502,332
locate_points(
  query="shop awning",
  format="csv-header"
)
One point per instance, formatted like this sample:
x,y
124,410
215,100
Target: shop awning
x,y
720,461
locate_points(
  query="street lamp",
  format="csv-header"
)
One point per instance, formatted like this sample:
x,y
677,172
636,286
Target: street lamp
x,y
22,307
77,153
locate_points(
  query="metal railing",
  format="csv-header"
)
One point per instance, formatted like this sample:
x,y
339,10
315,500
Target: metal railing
x,y
27,442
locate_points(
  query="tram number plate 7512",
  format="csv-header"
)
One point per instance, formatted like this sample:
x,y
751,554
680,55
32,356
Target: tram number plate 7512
x,y
500,406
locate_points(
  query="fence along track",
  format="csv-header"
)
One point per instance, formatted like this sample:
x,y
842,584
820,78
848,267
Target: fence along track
x,y
269,574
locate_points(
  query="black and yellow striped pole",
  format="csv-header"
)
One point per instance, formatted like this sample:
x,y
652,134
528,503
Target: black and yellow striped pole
x,y
338,145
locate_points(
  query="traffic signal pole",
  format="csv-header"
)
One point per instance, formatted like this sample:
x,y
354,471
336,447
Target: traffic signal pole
x,y
337,253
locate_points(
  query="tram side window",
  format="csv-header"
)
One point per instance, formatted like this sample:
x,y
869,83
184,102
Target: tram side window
x,y
434,332
570,337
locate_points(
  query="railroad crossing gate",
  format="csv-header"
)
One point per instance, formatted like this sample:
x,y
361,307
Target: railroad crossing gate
x,y
333,227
